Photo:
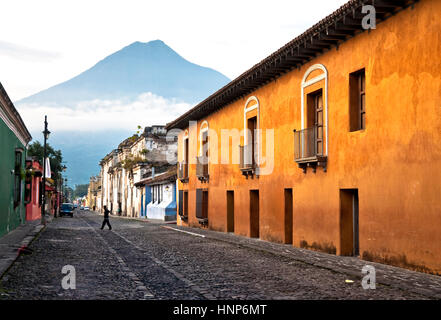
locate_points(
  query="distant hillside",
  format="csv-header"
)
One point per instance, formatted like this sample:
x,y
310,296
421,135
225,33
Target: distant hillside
x,y
82,151
170,82
135,69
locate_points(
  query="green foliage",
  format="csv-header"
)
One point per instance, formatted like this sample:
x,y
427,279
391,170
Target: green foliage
x,y
80,190
131,162
36,149
68,192
23,174
136,135
133,138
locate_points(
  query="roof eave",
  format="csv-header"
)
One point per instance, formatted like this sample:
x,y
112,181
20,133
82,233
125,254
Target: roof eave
x,y
330,32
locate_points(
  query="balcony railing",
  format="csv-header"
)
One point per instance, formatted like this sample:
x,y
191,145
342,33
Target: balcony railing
x,y
247,164
308,148
183,171
202,168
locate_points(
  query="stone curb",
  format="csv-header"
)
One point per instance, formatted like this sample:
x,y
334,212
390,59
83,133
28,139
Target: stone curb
x,y
352,271
7,261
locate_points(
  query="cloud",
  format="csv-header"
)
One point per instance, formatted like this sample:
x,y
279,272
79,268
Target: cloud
x,y
20,52
98,115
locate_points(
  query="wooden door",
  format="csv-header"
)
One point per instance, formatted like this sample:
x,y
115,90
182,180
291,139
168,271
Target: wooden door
x,y
349,222
288,216
318,108
186,157
252,144
230,211
254,214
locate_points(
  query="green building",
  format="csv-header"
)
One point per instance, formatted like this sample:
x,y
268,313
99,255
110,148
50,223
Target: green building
x,y
14,140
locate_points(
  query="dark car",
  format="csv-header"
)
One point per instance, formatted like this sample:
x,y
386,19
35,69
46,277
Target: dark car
x,y
67,209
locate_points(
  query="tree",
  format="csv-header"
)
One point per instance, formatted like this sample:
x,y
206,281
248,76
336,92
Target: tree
x,y
36,150
68,193
80,190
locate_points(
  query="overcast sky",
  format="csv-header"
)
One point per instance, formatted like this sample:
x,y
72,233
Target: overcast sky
x,y
45,42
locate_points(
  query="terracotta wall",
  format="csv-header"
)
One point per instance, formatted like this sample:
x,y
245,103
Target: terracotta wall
x,y
395,163
33,209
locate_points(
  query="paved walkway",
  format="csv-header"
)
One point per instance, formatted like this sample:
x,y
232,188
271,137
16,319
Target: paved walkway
x,y
141,260
18,238
420,283
417,282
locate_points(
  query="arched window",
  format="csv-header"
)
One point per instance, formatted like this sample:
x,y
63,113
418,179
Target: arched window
x,y
204,153
311,142
203,139
183,165
250,151
314,104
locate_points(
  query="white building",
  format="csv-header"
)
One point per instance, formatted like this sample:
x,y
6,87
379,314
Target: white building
x,y
131,162
159,196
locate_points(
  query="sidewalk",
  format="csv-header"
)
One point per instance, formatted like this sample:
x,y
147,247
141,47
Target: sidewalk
x,y
417,282
20,237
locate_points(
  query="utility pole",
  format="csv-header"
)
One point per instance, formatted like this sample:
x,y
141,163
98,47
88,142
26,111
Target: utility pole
x,y
46,133
66,191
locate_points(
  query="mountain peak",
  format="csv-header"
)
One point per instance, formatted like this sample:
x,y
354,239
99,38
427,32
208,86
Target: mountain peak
x,y
152,50
152,43
135,69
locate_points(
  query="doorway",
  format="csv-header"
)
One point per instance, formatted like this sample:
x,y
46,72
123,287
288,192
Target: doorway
x,y
186,158
254,214
349,233
230,211
252,143
315,119
204,204
185,207
288,216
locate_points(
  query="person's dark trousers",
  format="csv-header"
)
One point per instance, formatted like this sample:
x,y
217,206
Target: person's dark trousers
x,y
106,221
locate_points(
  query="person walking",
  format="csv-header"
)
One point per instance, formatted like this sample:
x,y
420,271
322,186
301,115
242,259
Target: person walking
x,y
106,219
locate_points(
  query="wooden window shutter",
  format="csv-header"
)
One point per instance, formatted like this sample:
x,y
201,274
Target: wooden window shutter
x,y
199,204
181,202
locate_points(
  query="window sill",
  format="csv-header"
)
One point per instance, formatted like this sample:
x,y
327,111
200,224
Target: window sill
x,y
203,222
358,131
314,162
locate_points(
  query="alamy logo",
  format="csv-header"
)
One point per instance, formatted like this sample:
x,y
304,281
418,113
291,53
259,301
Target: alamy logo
x,y
370,20
69,280
368,281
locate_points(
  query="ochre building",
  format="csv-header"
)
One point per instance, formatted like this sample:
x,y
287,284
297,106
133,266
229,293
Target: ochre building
x,y
344,136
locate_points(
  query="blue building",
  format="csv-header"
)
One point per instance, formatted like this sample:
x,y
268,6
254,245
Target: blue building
x,y
158,199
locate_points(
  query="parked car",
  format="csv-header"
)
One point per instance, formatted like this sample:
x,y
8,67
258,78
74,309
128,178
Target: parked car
x,y
81,208
67,209
75,205
86,208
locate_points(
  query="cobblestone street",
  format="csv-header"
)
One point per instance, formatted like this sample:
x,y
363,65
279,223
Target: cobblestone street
x,y
142,260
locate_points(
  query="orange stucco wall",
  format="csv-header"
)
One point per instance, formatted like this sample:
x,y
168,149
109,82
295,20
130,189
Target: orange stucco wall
x,y
395,163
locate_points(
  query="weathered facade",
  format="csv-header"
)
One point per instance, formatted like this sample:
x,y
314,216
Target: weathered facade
x,y
128,164
348,159
14,140
94,193
34,173
158,195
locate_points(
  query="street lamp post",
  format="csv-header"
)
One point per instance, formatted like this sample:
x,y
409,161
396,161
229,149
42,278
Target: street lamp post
x,y
63,168
46,133
66,191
